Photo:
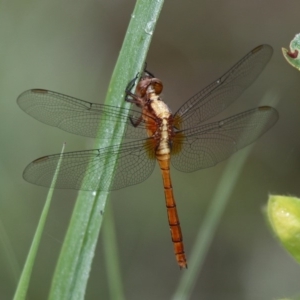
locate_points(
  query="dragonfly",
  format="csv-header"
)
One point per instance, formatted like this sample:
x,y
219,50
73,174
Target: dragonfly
x,y
183,139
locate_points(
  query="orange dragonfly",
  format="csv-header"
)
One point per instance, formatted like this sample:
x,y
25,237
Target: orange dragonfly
x,y
160,135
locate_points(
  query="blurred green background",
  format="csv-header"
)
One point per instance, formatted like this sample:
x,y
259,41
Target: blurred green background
x,y
71,47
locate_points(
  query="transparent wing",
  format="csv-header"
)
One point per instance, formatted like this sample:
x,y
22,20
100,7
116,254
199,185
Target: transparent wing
x,y
75,115
220,94
206,145
81,170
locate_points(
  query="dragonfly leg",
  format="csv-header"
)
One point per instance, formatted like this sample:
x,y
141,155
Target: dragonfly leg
x,y
149,74
129,96
131,84
134,99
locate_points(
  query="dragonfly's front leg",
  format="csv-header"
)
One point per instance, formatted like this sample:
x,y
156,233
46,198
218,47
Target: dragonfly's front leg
x,y
148,72
129,96
132,98
131,83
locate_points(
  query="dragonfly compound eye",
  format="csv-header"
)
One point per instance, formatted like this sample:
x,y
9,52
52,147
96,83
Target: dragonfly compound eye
x,y
157,85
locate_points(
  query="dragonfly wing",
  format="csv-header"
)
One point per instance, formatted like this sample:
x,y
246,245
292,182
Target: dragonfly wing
x,y
220,94
75,115
85,170
206,145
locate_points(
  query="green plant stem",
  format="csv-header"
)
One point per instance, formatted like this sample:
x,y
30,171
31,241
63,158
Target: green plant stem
x,y
74,264
23,284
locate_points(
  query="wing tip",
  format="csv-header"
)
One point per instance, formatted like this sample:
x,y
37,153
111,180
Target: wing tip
x,y
39,91
263,47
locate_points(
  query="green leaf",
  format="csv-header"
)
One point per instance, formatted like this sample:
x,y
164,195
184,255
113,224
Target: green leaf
x,y
284,217
292,56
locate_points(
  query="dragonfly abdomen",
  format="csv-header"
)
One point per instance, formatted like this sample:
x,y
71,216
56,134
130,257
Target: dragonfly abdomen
x,y
173,218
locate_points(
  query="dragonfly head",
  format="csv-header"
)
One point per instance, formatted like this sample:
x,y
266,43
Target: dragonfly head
x,y
148,85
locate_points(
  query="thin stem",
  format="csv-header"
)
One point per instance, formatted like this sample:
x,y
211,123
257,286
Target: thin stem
x,y
22,288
